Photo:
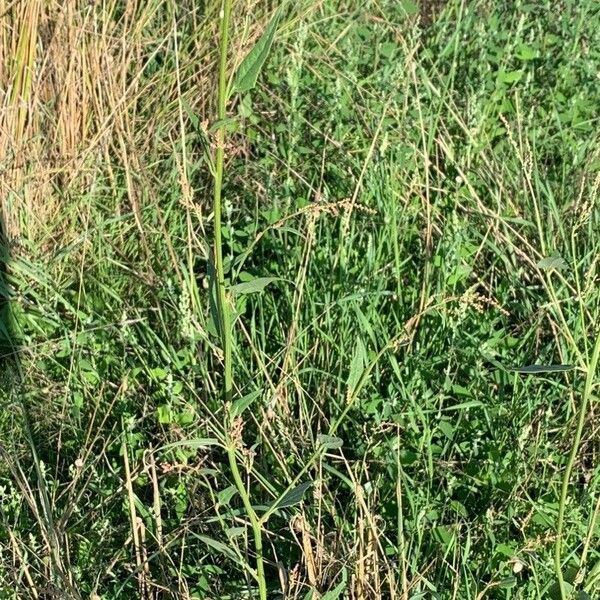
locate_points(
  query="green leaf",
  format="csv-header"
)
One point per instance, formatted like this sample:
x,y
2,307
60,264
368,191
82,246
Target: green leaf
x,y
357,366
536,369
508,582
225,496
184,417
505,549
164,414
463,405
214,321
189,111
526,52
195,443
229,124
329,441
254,285
509,76
387,49
459,508
552,262
554,593
218,546
233,532
338,590
159,373
444,535
410,7
292,497
446,428
247,73
240,405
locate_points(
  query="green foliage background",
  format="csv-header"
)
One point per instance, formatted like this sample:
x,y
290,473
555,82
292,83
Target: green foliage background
x,y
400,182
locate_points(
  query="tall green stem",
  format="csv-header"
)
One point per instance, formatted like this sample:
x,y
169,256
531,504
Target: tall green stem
x,y
224,315
585,399
255,523
222,308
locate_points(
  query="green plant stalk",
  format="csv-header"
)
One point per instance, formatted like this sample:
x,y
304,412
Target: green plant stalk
x,y
255,523
585,399
224,315
222,308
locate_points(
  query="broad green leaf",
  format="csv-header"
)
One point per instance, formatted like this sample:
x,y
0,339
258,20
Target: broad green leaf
x,y
292,497
508,582
164,414
240,405
446,428
388,48
335,593
526,52
247,73
536,369
234,532
445,536
329,441
254,285
552,262
225,496
218,546
509,76
410,7
159,373
357,366
506,549
229,124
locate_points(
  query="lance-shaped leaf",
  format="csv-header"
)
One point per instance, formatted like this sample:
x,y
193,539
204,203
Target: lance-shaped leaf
x,y
252,286
249,69
538,369
291,498
357,366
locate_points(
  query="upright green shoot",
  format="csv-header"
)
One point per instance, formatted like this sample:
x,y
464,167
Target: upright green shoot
x,y
222,308
250,66
585,399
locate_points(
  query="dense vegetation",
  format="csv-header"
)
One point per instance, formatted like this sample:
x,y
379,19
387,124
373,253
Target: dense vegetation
x,y
410,250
